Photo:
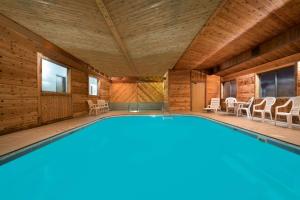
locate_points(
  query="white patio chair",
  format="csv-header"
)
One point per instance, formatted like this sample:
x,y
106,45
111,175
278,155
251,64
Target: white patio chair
x,y
246,107
269,102
103,105
230,103
93,107
214,105
106,106
295,110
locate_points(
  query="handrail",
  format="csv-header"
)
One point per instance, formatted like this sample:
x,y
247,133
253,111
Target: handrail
x,y
137,107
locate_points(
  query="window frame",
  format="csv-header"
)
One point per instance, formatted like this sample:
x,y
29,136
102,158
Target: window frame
x,y
98,85
276,81
41,57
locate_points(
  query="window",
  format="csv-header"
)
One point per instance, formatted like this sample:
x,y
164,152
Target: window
x,y
54,77
93,86
279,83
229,89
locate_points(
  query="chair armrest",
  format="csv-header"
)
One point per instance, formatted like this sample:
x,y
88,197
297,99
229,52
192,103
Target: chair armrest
x,y
259,104
282,106
256,105
278,107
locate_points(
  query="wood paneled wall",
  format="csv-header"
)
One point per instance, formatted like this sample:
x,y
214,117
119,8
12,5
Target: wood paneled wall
x,y
179,90
213,87
18,81
22,105
245,87
79,84
104,92
166,91
197,76
55,107
298,79
123,92
80,94
145,92
150,92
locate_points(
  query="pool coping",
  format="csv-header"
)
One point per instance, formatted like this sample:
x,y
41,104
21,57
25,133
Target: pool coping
x,y
39,144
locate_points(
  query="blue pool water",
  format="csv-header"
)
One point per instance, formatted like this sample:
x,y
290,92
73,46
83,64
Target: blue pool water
x,y
144,157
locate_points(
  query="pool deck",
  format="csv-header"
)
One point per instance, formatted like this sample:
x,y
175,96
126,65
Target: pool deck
x,y
20,139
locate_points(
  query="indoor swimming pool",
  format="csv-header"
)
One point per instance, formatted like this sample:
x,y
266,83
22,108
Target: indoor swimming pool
x,y
154,157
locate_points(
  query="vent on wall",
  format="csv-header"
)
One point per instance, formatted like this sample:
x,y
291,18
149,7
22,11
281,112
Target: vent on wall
x,y
255,51
212,70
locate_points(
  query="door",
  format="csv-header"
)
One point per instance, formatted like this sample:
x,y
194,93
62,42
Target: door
x,y
198,96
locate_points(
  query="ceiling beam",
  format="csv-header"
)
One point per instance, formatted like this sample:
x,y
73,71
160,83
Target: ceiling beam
x,y
280,46
116,35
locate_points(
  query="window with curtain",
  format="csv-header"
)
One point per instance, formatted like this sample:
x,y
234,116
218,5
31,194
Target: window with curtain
x,y
93,86
229,89
54,77
278,83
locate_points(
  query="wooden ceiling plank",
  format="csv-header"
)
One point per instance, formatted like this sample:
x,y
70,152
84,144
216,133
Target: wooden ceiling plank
x,y
194,41
116,35
154,32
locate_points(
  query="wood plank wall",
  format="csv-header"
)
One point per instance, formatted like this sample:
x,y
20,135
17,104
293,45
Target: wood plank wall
x,y
137,92
298,79
21,103
18,84
197,76
245,87
213,87
123,93
150,92
179,90
247,84
55,107
80,91
179,86
166,91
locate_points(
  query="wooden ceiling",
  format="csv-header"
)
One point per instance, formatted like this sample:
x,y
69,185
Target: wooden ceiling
x,y
238,26
140,38
118,37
